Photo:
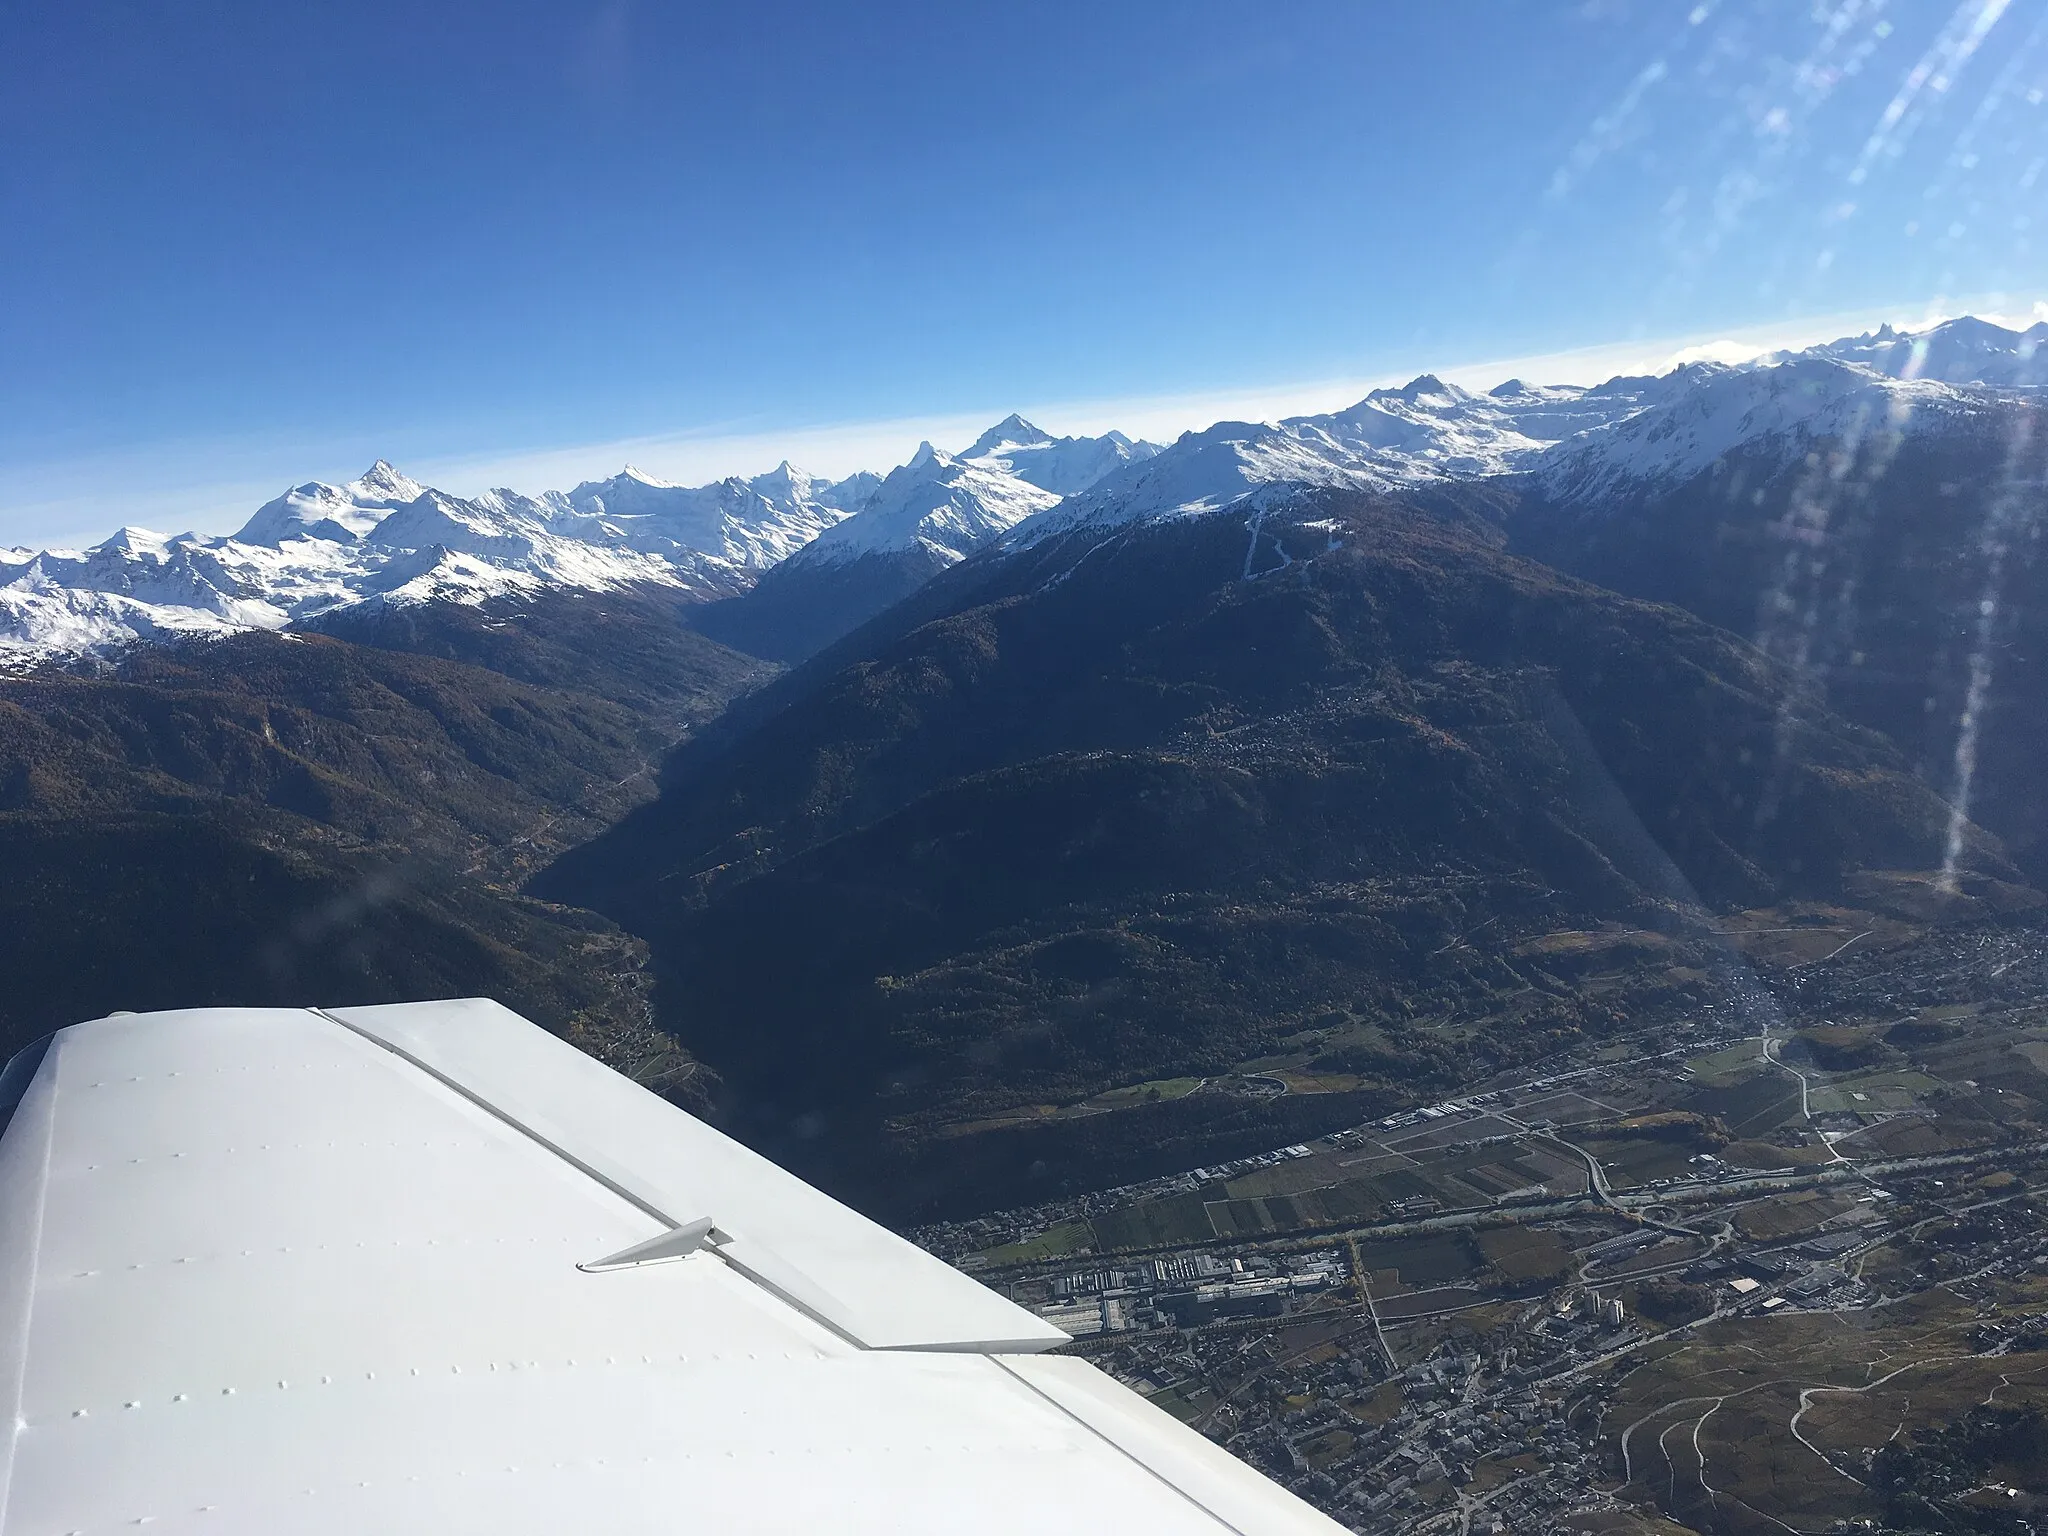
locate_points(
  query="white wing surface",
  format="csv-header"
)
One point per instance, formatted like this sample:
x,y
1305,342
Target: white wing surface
x,y
427,1268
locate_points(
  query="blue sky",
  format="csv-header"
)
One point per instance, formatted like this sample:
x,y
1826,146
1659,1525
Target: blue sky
x,y
248,244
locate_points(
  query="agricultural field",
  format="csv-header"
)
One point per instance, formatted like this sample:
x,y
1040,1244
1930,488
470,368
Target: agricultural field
x,y
1419,1262
1526,1255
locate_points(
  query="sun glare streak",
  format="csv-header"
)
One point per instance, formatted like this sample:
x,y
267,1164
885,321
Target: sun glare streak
x,y
2001,523
1804,616
1812,135
1931,75
1780,129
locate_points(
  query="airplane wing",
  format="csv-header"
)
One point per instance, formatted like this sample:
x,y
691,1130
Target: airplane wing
x,y
427,1267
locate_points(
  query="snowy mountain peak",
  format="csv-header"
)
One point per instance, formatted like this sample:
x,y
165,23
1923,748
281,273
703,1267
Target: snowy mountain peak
x,y
785,482
380,482
339,514
1965,350
937,506
1681,425
1013,431
1064,466
1425,386
133,541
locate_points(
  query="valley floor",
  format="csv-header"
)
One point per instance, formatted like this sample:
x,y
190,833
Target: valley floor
x,y
1702,1277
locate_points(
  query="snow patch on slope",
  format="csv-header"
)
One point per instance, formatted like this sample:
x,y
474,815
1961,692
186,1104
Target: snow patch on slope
x,y
1792,404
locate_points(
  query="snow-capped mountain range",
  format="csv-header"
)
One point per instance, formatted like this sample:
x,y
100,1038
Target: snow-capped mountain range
x,y
1581,443
385,538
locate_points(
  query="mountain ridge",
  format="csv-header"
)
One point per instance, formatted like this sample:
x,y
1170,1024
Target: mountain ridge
x,y
384,538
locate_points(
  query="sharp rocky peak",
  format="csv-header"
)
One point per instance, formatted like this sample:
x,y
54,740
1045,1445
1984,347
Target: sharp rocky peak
x,y
1013,431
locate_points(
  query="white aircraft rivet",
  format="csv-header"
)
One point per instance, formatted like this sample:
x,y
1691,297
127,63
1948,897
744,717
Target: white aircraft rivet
x,y
131,1405
227,1391
178,1397
79,1413
325,1380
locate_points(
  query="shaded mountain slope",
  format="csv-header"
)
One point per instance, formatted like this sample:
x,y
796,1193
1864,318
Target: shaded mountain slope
x,y
215,906
372,745
1900,575
277,818
637,647
797,610
1145,806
